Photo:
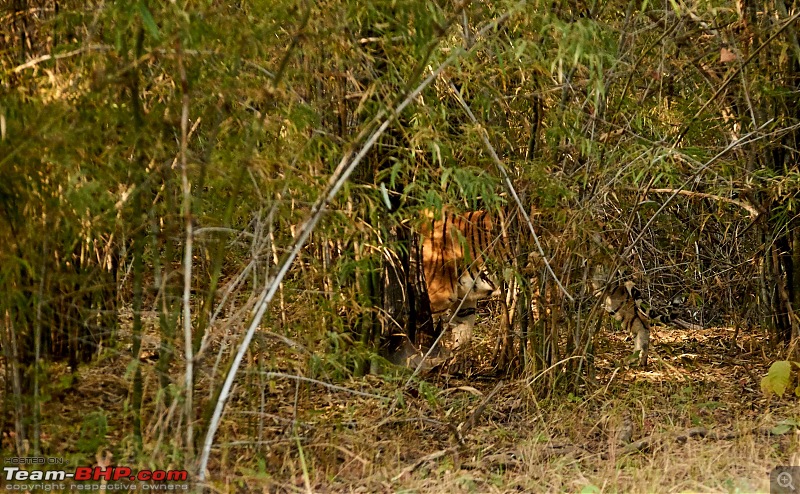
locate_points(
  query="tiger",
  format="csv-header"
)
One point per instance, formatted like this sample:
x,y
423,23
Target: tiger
x,y
456,249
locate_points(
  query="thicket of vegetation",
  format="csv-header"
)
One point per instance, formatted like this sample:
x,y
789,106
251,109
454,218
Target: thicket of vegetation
x,y
161,160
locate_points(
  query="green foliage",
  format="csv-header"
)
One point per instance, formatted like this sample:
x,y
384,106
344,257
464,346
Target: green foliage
x,y
92,433
572,398
784,427
429,393
780,378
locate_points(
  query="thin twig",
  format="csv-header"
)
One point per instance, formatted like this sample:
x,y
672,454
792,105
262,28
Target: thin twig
x,y
433,456
510,186
221,229
690,193
334,387
44,58
465,427
37,345
545,371
187,257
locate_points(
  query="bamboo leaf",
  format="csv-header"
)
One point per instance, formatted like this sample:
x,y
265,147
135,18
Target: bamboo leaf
x,y
148,21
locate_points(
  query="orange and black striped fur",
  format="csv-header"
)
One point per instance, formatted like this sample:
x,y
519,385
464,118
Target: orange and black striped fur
x,y
455,251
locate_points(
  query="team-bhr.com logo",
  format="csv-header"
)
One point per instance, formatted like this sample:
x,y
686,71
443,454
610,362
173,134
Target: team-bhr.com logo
x,y
109,474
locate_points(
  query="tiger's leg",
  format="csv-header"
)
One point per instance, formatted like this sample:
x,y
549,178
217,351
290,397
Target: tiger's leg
x,y
463,323
470,291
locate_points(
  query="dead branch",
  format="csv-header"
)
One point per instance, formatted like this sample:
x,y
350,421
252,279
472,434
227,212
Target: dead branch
x,y
686,325
646,443
36,61
563,450
467,425
433,456
324,384
702,195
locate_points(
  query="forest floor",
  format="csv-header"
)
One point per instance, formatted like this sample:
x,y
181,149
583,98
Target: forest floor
x,y
694,421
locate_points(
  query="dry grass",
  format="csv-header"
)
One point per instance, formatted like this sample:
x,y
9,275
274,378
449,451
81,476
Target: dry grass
x,y
626,433
581,442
